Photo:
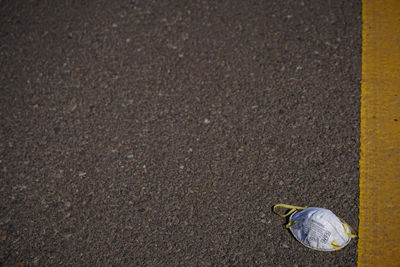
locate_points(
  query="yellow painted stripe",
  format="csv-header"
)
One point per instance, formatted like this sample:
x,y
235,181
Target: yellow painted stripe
x,y
379,229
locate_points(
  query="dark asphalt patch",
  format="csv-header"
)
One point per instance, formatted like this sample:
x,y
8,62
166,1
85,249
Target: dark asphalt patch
x,y
171,129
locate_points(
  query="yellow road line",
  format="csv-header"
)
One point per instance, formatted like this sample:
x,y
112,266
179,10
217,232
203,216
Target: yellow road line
x,y
379,229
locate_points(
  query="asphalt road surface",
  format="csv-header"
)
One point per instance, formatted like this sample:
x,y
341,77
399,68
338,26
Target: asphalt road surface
x,y
161,133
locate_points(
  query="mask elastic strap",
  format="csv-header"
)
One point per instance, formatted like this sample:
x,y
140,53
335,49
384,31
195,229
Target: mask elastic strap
x,y
352,234
335,245
292,209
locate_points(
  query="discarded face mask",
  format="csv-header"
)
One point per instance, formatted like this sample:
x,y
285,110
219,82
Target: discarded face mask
x,y
317,228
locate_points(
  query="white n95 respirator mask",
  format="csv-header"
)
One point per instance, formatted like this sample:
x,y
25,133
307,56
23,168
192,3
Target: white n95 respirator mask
x,y
317,228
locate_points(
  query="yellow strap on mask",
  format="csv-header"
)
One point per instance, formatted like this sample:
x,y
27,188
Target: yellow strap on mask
x,y
352,233
292,209
335,245
290,224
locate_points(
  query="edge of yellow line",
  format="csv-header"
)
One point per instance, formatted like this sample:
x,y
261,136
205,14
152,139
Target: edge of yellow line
x,y
379,211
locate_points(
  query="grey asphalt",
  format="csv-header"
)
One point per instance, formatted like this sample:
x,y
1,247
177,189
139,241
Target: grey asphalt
x,y
161,133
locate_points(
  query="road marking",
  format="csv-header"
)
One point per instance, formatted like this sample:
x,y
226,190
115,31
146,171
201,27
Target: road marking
x,y
379,230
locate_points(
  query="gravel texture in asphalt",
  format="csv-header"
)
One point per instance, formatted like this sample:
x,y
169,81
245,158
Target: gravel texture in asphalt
x,y
161,133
